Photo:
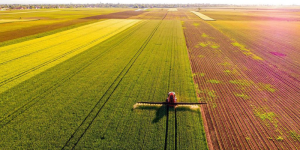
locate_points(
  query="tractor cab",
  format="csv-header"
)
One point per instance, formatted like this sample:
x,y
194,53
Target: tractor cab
x,y
171,97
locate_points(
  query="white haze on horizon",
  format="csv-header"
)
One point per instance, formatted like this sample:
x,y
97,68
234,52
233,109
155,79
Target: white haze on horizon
x,y
257,2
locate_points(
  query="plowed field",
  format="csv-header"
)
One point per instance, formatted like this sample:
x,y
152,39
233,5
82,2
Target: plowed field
x,y
248,74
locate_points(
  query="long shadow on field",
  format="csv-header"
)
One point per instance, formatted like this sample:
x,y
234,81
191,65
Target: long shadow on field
x,y
161,111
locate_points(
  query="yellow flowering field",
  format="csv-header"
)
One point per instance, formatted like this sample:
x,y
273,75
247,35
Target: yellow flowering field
x,y
22,61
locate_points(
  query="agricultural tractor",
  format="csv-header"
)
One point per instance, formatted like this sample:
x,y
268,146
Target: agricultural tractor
x,y
171,101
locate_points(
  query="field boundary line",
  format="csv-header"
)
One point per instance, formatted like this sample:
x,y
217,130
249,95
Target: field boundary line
x,y
167,127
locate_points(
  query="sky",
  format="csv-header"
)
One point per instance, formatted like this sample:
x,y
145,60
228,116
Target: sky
x,y
272,2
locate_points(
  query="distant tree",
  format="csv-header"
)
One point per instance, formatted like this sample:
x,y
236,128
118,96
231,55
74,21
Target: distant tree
x,y
199,8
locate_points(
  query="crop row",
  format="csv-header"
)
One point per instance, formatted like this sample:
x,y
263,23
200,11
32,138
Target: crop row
x,y
24,60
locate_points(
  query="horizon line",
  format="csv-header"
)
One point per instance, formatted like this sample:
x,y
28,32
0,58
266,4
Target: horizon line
x,y
150,4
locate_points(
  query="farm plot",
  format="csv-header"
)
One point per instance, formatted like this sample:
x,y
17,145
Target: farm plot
x,y
252,104
86,101
202,16
22,61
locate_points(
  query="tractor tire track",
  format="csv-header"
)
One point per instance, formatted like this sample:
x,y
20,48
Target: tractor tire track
x,y
169,82
175,130
11,116
89,119
167,121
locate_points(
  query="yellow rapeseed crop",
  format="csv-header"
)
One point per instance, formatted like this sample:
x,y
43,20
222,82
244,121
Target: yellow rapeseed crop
x,y
24,60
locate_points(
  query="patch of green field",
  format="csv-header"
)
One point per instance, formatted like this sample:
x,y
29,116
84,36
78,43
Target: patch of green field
x,y
267,87
210,44
86,102
196,24
203,44
242,95
241,82
214,81
204,35
279,138
246,51
215,46
212,93
266,116
295,135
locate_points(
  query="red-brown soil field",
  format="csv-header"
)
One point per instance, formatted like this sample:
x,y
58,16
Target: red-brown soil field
x,y
249,76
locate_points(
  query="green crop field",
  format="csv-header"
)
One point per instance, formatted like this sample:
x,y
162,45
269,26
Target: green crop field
x,y
78,89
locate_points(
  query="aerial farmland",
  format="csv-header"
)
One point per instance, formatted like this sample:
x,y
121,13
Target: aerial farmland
x,y
98,78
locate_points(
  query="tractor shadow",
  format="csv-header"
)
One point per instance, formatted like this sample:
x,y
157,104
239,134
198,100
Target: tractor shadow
x,y
162,110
